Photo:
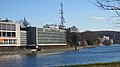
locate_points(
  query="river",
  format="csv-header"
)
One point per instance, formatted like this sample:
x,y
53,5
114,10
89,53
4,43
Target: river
x,y
82,56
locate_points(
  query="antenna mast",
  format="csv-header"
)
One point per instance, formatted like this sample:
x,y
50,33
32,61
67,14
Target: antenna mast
x,y
61,26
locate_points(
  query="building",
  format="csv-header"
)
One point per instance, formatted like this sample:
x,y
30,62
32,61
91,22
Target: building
x,y
9,33
12,35
46,37
31,36
114,36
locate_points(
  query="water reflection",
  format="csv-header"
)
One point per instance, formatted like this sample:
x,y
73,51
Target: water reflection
x,y
83,56
10,57
9,60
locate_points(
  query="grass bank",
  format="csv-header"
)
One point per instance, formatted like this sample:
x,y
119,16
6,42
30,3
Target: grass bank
x,y
109,64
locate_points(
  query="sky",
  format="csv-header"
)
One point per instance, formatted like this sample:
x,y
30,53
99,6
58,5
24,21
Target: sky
x,y
80,13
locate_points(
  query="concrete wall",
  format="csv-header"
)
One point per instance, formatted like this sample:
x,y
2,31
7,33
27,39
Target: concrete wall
x,y
18,34
23,38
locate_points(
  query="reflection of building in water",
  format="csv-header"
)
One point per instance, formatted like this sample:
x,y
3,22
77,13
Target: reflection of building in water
x,y
10,57
9,33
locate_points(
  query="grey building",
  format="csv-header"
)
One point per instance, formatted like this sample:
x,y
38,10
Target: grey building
x,y
31,36
46,36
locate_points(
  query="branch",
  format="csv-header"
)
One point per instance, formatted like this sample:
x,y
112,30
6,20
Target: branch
x,y
107,4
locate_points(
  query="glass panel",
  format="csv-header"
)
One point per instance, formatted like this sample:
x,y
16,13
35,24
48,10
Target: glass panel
x,y
8,34
0,27
0,34
4,34
8,27
13,34
13,27
3,26
6,41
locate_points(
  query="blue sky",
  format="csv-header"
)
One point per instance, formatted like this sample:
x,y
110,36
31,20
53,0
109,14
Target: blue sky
x,y
80,13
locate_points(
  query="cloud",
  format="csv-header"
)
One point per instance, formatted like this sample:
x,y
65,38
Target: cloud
x,y
115,19
98,18
111,19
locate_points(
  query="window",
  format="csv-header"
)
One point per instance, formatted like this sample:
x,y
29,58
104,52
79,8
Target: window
x,y
0,27
11,41
3,26
8,27
13,34
0,34
4,34
13,27
8,34
14,41
6,41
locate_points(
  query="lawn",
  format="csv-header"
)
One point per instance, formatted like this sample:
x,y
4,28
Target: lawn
x,y
109,64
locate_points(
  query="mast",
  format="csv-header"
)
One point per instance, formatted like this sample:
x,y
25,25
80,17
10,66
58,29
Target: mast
x,y
61,26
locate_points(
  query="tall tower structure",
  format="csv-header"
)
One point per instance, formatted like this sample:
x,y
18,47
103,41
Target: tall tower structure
x,y
61,26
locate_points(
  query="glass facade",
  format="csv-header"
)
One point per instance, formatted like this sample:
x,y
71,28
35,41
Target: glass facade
x,y
8,27
9,41
51,36
7,34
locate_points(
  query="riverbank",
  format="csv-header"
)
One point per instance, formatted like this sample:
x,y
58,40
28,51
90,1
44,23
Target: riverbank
x,y
107,64
72,58
43,51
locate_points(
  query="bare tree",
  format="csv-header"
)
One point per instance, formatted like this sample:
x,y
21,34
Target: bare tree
x,y
24,23
74,29
108,5
111,5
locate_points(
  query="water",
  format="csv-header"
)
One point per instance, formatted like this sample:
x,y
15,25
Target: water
x,y
82,56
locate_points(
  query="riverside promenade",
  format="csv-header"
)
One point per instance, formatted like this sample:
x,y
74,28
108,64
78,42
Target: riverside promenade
x,y
43,51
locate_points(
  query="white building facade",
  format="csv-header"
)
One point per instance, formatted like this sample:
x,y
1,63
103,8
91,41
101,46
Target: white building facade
x,y
9,33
